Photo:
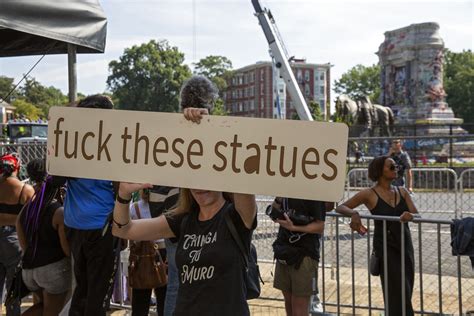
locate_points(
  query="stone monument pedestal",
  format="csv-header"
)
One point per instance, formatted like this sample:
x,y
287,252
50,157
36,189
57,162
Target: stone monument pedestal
x,y
411,60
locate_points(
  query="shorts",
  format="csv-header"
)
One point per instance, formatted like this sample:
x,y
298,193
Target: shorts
x,y
53,278
298,282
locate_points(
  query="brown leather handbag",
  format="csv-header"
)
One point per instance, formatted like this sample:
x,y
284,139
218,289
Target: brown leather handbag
x,y
146,269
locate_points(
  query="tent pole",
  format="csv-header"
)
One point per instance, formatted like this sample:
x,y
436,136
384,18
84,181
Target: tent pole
x,y
72,72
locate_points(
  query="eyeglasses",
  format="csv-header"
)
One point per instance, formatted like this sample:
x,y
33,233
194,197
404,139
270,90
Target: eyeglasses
x,y
393,167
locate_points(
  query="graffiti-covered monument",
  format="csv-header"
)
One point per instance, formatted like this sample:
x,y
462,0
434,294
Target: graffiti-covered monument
x,y
411,60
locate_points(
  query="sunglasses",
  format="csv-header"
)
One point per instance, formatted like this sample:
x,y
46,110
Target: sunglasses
x,y
393,167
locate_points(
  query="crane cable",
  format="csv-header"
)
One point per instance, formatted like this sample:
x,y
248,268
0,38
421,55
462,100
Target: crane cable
x,y
194,32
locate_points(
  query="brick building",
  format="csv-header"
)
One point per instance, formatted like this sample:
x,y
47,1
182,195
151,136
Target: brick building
x,y
250,89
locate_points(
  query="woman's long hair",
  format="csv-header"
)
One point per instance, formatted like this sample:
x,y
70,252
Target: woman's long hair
x,y
33,210
186,202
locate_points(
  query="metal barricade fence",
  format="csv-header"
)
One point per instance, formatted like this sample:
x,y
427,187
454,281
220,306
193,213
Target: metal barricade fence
x,y
466,193
344,282
436,190
443,283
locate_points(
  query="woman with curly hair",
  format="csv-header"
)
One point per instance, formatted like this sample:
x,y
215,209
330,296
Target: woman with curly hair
x,y
13,195
40,226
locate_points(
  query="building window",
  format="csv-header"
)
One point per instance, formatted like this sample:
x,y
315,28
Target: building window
x,y
306,90
262,75
299,75
240,107
262,89
306,75
262,103
321,76
321,90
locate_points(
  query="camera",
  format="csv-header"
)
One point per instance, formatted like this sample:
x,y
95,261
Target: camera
x,y
297,219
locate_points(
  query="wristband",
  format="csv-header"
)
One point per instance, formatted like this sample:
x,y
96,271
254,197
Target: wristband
x,y
122,200
120,225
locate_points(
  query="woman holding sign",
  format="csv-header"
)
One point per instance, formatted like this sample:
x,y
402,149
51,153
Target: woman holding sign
x,y
210,265
387,200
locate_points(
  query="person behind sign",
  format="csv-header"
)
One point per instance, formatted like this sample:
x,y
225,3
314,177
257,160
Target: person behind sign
x,y
46,264
388,200
197,92
13,195
209,262
296,249
141,297
87,205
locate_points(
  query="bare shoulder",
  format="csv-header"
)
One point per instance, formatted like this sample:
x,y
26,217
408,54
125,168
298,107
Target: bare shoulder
x,y
58,217
27,193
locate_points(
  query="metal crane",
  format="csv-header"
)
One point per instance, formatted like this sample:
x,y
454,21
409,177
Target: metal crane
x,y
280,60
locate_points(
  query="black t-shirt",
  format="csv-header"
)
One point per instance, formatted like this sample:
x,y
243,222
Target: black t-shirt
x,y
402,159
48,246
162,199
308,243
210,265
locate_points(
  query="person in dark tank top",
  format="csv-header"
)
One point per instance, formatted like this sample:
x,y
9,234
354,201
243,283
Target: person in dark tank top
x,y
46,266
387,200
13,195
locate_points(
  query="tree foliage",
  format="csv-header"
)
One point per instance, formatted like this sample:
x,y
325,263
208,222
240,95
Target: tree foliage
x,y
314,109
219,108
6,85
41,96
459,83
360,81
216,68
24,109
148,77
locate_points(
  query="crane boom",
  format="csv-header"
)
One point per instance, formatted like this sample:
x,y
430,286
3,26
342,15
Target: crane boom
x,y
281,62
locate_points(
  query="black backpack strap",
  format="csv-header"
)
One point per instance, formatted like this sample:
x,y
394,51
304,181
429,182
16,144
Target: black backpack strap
x,y
236,237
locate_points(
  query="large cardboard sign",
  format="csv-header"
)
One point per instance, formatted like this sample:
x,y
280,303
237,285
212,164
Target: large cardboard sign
x,y
298,159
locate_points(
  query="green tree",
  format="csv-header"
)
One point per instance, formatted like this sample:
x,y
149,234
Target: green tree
x,y
216,68
43,97
6,85
459,83
360,81
26,110
315,110
219,108
148,77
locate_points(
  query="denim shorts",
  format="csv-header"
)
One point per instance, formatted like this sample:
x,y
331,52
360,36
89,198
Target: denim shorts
x,y
53,278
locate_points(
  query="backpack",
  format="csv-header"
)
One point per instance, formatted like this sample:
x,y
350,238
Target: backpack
x,y
252,271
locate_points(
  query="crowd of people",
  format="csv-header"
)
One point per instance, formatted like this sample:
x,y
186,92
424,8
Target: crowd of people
x,y
67,234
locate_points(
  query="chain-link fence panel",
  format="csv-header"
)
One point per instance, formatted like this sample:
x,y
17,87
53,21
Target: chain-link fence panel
x,y
26,152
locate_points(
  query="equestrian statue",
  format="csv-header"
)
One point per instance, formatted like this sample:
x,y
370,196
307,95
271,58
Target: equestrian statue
x,y
364,117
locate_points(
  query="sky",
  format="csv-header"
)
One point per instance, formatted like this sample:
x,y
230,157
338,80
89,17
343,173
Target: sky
x,y
342,32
